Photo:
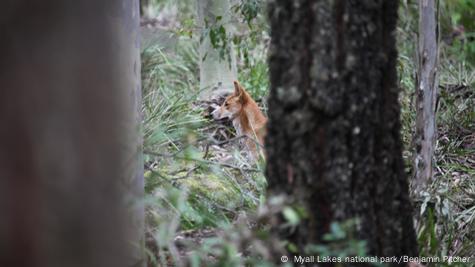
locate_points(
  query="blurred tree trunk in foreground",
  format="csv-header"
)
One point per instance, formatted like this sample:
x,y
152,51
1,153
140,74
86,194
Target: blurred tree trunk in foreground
x,y
217,72
426,91
69,158
333,143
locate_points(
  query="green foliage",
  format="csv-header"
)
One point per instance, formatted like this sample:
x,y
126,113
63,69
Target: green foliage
x,y
168,89
219,38
251,46
458,28
340,242
246,39
464,48
182,9
249,10
255,80
427,237
291,216
459,12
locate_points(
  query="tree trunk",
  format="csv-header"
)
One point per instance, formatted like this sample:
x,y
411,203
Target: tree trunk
x,y
143,6
217,73
426,89
333,143
70,153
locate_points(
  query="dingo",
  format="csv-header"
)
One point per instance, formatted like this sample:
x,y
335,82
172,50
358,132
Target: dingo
x,y
246,116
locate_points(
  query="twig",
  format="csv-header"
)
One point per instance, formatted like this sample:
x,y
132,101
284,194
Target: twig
x,y
218,205
187,175
171,155
227,165
215,142
206,151
230,140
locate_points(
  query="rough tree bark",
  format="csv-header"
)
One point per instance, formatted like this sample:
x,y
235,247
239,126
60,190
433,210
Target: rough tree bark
x,y
216,73
426,91
333,143
69,159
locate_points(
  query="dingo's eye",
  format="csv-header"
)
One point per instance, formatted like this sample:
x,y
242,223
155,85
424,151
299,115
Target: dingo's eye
x,y
226,104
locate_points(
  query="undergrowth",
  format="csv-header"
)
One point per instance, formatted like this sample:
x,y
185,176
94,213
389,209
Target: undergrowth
x,y
191,184
197,190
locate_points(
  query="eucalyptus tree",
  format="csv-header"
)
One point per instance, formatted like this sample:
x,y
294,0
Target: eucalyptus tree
x,y
217,58
426,94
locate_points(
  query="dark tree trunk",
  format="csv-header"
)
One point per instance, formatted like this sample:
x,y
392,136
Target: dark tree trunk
x,y
333,142
69,159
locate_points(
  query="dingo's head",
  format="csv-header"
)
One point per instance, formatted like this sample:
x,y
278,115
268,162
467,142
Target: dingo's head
x,y
233,104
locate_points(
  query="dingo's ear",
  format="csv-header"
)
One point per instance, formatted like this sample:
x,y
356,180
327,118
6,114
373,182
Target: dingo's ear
x,y
237,89
240,92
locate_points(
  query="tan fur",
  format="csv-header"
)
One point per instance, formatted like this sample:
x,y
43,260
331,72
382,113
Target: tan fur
x,y
246,116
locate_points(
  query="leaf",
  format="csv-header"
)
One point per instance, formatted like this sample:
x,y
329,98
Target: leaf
x,y
337,231
192,153
222,31
291,216
213,37
292,247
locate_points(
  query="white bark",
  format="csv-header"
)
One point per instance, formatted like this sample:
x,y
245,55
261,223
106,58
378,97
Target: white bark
x,y
426,92
216,74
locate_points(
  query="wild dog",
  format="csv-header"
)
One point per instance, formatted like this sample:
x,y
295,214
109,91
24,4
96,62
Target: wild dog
x,y
246,117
